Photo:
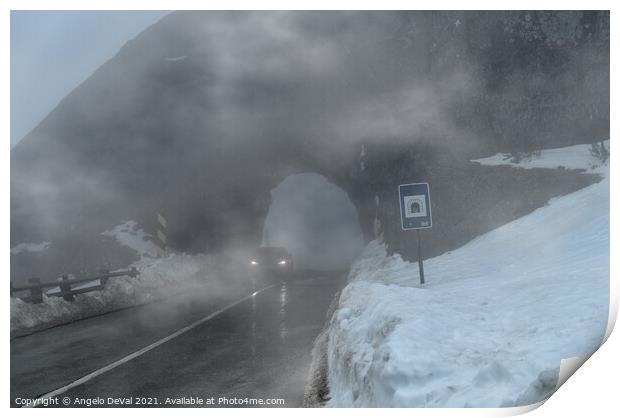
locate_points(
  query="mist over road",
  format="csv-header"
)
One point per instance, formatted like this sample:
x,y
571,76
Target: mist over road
x,y
259,348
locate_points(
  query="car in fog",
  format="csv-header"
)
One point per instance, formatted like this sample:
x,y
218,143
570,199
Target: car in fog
x,y
271,260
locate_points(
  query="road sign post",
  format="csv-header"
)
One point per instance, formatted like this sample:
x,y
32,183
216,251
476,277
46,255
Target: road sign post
x,y
415,213
420,259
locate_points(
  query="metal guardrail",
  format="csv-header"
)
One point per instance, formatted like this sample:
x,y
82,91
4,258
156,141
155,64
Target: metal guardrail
x,y
65,284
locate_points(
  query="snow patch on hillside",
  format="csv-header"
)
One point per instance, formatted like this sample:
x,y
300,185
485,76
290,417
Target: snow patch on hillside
x,y
493,322
129,235
30,247
576,157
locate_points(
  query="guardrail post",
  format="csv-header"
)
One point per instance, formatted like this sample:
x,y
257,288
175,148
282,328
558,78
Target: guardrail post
x,y
66,287
65,284
104,277
36,292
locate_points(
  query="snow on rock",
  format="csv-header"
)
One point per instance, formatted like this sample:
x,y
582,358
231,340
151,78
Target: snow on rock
x,y
159,278
494,320
30,247
129,235
576,157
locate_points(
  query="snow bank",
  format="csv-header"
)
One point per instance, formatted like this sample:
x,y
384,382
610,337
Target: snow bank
x,y
30,247
129,235
159,278
494,320
576,157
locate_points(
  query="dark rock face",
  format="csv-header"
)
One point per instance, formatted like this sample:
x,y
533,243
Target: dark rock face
x,y
201,115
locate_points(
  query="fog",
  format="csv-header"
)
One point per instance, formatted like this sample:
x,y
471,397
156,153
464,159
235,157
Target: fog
x,y
315,220
287,129
204,113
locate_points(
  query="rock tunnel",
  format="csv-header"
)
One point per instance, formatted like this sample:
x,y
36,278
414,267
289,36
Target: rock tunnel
x,y
204,140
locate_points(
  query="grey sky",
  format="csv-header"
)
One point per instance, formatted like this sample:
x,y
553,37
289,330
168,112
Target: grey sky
x,y
52,52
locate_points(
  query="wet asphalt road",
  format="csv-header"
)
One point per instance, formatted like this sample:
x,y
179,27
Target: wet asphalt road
x,y
259,348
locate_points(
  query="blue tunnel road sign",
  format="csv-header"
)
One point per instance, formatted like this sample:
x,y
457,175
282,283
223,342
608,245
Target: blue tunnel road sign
x,y
415,206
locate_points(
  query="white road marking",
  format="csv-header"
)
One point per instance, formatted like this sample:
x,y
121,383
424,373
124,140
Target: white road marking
x,y
138,353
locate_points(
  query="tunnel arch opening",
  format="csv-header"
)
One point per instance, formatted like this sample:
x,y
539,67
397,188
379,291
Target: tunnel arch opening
x,y
315,220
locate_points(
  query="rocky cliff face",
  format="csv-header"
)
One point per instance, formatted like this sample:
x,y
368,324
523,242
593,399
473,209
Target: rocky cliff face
x,y
201,115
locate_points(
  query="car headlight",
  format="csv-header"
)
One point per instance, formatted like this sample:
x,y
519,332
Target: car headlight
x,y
282,262
254,262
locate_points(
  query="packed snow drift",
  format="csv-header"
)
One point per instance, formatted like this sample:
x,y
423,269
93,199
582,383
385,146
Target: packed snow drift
x,y
495,317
